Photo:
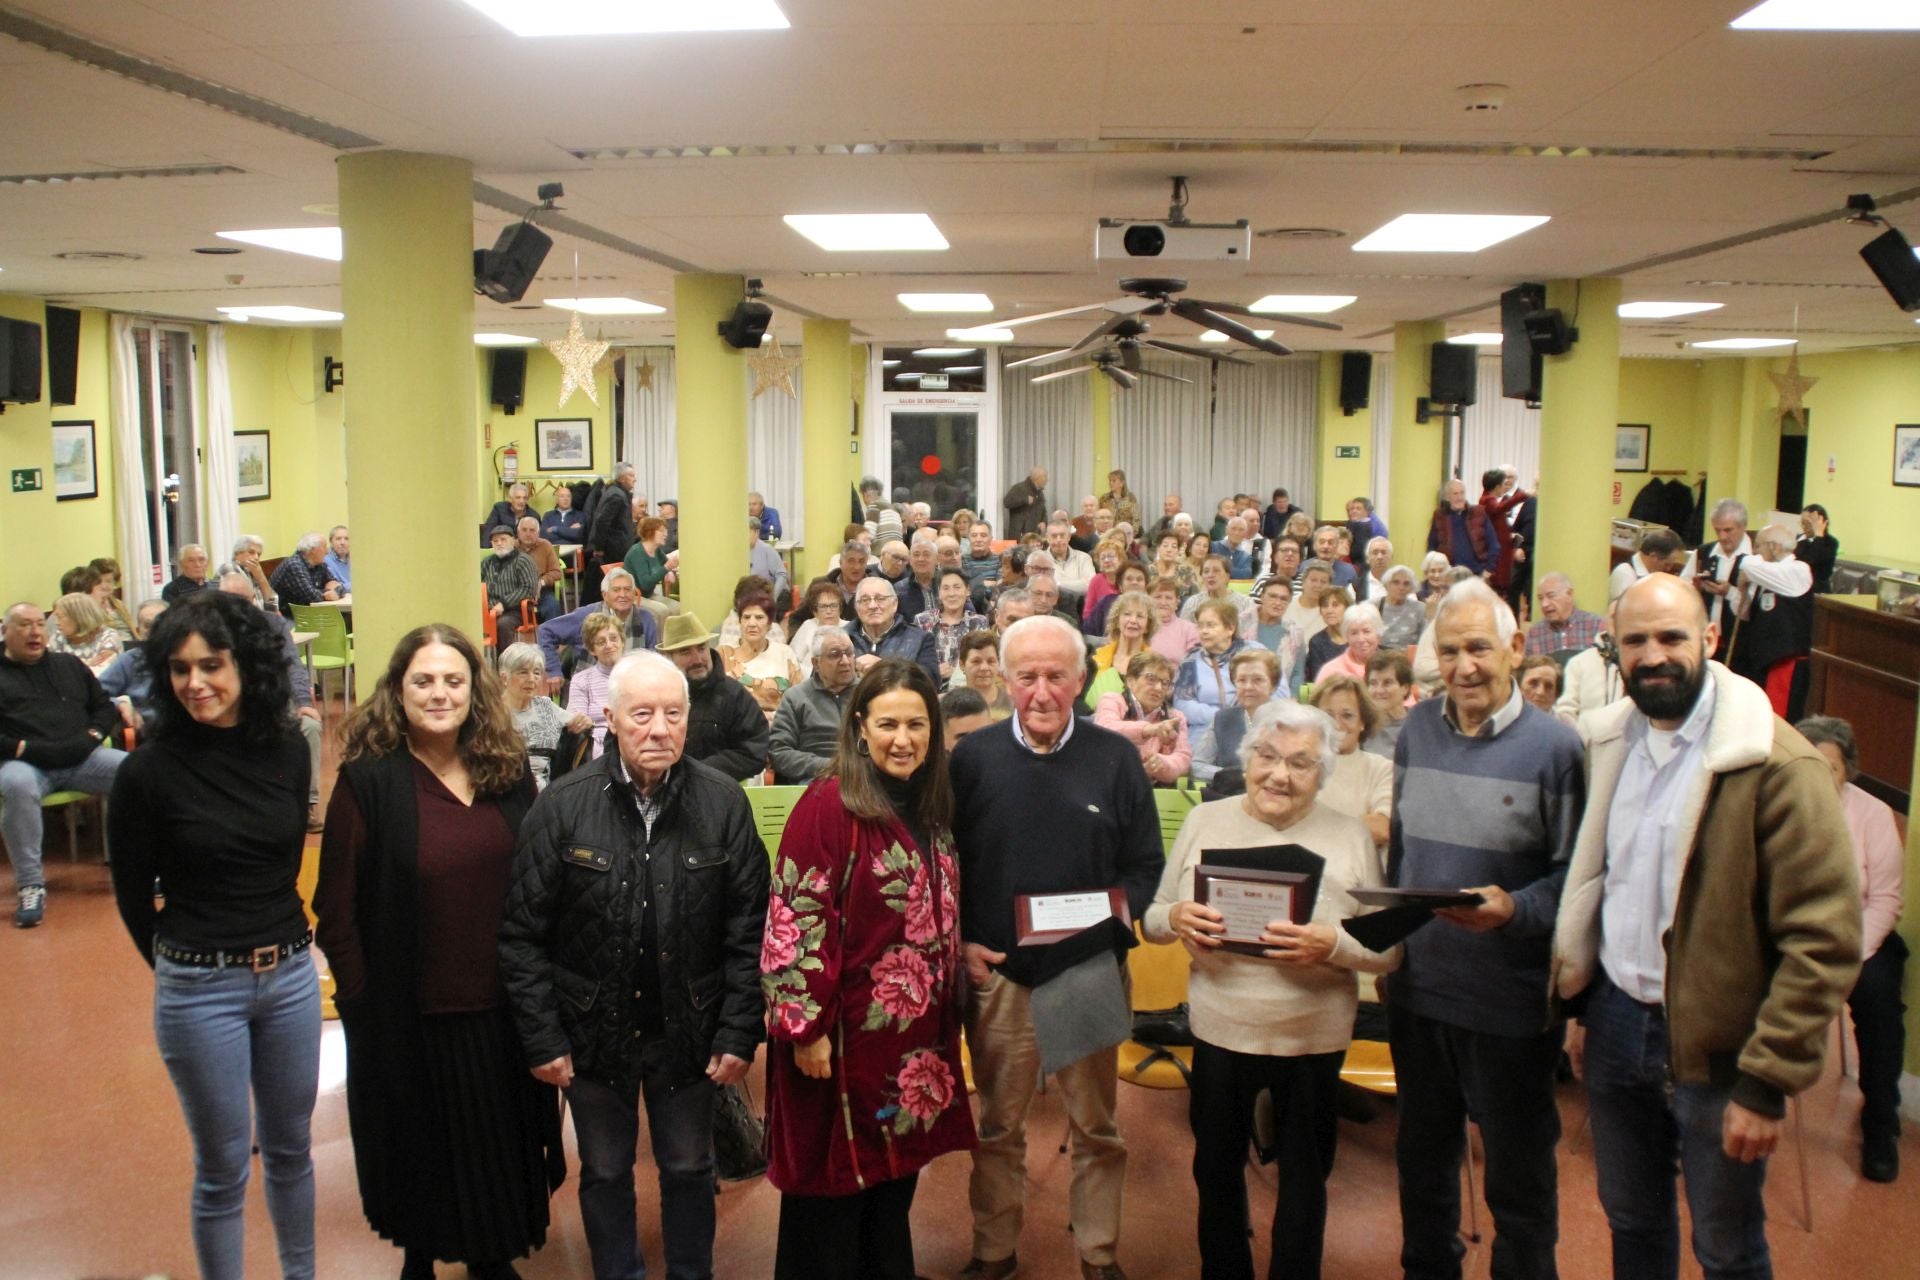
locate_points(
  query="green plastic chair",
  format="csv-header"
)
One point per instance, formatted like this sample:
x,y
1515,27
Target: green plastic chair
x,y
771,805
332,648
1174,804
71,802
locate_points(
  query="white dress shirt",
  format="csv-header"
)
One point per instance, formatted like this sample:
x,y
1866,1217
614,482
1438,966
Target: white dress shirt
x,y
1788,577
1643,855
1722,568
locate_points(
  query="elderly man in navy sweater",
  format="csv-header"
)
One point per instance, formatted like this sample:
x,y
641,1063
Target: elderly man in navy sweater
x,y
1045,804
1488,795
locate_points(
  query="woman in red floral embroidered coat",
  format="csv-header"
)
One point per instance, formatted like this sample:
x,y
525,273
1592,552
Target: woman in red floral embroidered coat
x,y
860,965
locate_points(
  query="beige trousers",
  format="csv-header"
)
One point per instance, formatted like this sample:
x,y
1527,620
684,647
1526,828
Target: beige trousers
x,y
1006,1074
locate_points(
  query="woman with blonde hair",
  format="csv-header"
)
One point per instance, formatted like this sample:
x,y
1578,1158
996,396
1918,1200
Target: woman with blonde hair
x,y
605,637
80,628
456,1144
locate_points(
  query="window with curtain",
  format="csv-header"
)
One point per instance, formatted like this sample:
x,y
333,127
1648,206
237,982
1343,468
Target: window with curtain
x,y
1049,425
1498,431
1381,400
648,413
775,468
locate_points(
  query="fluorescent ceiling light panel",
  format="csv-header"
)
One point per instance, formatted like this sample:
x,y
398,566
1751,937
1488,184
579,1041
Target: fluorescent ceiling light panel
x,y
1214,335
888,364
945,351
290,315
502,340
964,368
1304,304
1447,232
630,17
945,301
314,242
981,335
1742,344
1476,339
906,377
606,306
1665,310
868,232
1830,15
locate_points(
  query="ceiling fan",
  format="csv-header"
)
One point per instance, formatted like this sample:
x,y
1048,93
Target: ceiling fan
x,y
1126,338
1154,296
1109,362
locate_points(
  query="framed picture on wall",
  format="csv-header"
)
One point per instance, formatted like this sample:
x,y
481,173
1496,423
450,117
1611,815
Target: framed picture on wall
x,y
75,468
563,444
1906,455
1630,446
253,458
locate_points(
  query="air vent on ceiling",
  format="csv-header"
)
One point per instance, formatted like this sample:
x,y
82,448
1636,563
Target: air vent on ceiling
x,y
1301,233
114,175
99,255
1187,146
1776,284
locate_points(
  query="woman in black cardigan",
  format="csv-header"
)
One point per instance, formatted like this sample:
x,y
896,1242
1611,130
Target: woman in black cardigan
x,y
456,1145
213,806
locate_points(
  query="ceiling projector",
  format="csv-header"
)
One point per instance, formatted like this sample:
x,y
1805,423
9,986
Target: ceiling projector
x,y
1179,241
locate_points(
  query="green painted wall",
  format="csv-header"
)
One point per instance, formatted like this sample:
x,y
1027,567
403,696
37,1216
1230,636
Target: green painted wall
x,y
1661,394
1340,479
1851,415
541,401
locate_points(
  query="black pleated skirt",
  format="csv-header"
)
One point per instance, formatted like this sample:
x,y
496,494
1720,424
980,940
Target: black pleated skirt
x,y
480,1188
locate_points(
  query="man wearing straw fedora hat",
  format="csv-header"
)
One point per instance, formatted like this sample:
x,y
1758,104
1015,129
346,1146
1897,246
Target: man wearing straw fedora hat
x,y
725,727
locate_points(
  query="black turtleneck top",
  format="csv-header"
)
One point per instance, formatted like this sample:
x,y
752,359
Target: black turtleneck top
x,y
221,824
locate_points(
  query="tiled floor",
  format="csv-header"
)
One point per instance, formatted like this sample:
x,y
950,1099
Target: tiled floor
x,y
95,1167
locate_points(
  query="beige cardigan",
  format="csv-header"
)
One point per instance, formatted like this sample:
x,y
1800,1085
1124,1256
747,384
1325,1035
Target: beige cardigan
x,y
1253,1005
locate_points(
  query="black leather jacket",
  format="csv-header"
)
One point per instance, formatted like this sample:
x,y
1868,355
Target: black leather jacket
x,y
569,946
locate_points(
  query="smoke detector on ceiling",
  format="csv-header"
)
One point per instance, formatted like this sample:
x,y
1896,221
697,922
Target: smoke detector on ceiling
x,y
98,255
1483,97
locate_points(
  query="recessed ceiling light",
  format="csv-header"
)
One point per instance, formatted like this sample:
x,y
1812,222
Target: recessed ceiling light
x,y
1214,335
981,335
1665,310
945,301
906,377
1447,232
502,340
1476,339
314,242
1830,15
1304,304
936,352
606,306
1742,344
888,364
868,232
964,368
288,315
218,250
625,18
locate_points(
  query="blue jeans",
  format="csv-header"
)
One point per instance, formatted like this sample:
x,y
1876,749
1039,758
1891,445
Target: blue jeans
x,y
221,1031
1644,1129
24,786
606,1124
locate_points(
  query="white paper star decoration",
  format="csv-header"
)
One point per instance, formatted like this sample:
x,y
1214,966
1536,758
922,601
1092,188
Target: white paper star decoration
x,y
577,357
773,368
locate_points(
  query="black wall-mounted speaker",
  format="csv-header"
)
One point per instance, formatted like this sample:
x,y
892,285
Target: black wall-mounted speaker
x,y
1548,332
1450,373
747,325
19,362
1891,258
63,355
509,378
1356,380
504,271
1519,362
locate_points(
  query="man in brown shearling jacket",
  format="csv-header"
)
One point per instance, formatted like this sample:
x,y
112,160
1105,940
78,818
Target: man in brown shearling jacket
x,y
1711,922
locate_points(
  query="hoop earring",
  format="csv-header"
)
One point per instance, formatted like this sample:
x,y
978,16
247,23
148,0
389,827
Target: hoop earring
x,y
860,747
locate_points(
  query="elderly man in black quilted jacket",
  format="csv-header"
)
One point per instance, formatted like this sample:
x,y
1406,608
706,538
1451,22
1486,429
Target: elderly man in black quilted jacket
x,y
631,953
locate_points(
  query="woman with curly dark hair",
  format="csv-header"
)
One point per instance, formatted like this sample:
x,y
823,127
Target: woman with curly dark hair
x,y
214,805
456,1145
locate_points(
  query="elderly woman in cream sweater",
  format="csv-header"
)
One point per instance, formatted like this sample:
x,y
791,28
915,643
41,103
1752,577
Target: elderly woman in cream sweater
x,y
1281,1019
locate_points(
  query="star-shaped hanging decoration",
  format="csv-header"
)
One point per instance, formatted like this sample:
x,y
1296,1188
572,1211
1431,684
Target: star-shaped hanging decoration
x,y
643,373
1792,388
577,357
773,368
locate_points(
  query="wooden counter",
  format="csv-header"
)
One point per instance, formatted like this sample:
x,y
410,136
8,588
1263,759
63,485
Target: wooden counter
x,y
1866,670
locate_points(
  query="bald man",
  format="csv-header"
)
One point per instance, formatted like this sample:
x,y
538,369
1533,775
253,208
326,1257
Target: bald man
x,y
1710,924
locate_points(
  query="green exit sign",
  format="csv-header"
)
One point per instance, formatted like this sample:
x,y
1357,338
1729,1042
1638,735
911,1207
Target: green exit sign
x,y
1346,451
27,480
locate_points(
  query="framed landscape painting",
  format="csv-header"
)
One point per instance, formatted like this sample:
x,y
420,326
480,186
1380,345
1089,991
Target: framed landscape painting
x,y
563,444
1630,446
75,467
253,456
1906,455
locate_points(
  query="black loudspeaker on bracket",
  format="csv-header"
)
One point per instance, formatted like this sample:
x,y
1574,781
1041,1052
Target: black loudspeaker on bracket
x,y
333,374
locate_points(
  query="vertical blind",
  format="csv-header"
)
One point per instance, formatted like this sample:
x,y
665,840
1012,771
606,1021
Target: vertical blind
x,y
1051,426
1498,431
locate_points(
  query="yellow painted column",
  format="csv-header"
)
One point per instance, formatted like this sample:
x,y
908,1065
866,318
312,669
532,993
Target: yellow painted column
x,y
1909,927
1103,435
1418,452
406,285
1579,409
710,410
826,427
1341,479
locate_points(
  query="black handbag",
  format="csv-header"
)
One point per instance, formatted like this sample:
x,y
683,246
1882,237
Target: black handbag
x,y
739,1135
1165,1028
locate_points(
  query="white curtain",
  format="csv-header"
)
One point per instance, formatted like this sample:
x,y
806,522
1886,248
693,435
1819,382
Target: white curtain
x,y
1051,426
1252,430
650,425
1380,397
776,469
221,476
1498,431
134,541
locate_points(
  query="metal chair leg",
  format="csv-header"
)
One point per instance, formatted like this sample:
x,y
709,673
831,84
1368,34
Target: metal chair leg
x,y
73,834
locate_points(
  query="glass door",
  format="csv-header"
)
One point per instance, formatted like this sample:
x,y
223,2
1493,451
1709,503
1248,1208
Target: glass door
x,y
936,428
169,442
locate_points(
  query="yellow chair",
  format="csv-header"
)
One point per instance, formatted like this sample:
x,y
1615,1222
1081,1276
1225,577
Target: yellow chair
x,y
1159,975
771,805
332,648
1369,1065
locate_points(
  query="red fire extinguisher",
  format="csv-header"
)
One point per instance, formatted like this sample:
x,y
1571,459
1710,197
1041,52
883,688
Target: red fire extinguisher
x,y
510,463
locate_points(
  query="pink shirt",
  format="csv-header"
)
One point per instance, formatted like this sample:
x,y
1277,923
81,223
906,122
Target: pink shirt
x,y
1342,664
1877,852
1175,639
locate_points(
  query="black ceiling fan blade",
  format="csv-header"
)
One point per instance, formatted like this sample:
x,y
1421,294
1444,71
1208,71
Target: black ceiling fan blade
x,y
1130,356
1199,353
1187,309
1061,373
1235,309
1121,377
1102,332
1170,377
